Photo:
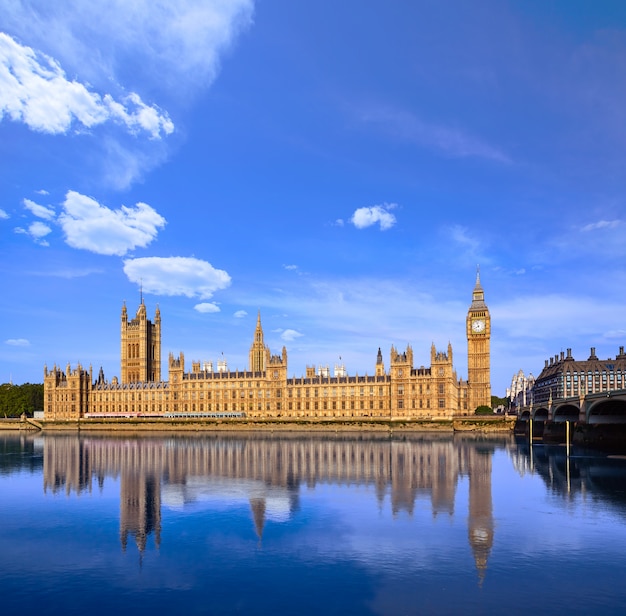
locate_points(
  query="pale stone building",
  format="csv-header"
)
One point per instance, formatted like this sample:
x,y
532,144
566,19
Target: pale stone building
x,y
265,391
520,392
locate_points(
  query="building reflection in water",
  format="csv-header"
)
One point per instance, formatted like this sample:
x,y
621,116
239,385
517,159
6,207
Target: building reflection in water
x,y
269,471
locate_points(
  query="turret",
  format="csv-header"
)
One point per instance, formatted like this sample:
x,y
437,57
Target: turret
x,y
259,354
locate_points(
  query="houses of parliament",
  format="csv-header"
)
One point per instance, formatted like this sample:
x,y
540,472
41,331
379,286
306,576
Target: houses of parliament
x,y
264,391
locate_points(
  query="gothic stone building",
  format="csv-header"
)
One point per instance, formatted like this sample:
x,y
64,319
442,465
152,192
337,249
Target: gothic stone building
x,y
265,391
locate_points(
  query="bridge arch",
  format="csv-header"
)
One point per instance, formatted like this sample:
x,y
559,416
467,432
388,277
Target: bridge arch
x,y
541,414
607,411
566,412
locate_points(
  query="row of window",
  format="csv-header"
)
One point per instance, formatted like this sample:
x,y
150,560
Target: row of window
x,y
260,393
243,406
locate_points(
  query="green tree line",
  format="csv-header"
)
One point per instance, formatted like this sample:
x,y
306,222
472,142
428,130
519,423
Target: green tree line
x,y
17,399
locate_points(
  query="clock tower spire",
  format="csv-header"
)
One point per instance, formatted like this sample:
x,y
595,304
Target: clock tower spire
x,y
478,329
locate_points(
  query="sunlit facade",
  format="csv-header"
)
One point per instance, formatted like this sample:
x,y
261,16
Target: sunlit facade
x,y
264,391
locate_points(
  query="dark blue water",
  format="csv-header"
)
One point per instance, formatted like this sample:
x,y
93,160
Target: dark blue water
x,y
305,524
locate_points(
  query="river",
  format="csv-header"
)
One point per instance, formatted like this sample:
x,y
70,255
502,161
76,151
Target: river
x,y
308,524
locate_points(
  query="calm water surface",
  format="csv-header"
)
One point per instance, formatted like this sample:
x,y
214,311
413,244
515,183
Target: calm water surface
x,y
308,524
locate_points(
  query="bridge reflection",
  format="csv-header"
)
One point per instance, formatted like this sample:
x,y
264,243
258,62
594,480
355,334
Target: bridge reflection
x,y
578,475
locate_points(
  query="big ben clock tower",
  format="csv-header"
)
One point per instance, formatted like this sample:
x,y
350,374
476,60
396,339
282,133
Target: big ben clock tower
x,y
478,327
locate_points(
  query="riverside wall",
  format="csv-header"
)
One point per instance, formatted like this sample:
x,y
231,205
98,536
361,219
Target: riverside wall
x,y
480,425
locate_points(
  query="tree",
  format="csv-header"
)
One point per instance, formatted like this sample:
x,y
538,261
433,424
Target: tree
x,y
497,401
483,409
18,399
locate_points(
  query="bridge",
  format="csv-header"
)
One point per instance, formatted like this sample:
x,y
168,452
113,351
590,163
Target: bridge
x,y
605,407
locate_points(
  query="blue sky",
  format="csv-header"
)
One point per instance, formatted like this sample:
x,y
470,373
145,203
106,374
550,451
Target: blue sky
x,y
341,167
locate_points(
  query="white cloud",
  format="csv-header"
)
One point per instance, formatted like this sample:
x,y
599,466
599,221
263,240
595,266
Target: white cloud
x,y
91,226
176,276
240,314
37,231
39,210
207,307
3,215
602,224
367,216
140,116
18,342
339,222
35,90
175,46
88,63
291,267
42,192
289,335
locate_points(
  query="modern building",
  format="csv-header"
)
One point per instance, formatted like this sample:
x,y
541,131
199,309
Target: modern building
x,y
265,391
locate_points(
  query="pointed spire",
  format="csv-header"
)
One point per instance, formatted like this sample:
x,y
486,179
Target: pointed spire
x,y
478,295
258,332
258,506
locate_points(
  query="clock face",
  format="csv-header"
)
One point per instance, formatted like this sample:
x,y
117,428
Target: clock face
x,y
478,326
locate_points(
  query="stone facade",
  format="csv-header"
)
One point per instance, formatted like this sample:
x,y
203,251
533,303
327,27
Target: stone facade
x,y
564,377
520,391
264,391
478,329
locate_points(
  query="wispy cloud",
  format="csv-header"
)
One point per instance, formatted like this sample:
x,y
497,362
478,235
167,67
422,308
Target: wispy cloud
x,y
39,210
17,342
601,224
3,215
177,44
185,276
462,236
35,90
83,67
289,335
68,274
240,314
447,140
576,243
615,334
365,217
